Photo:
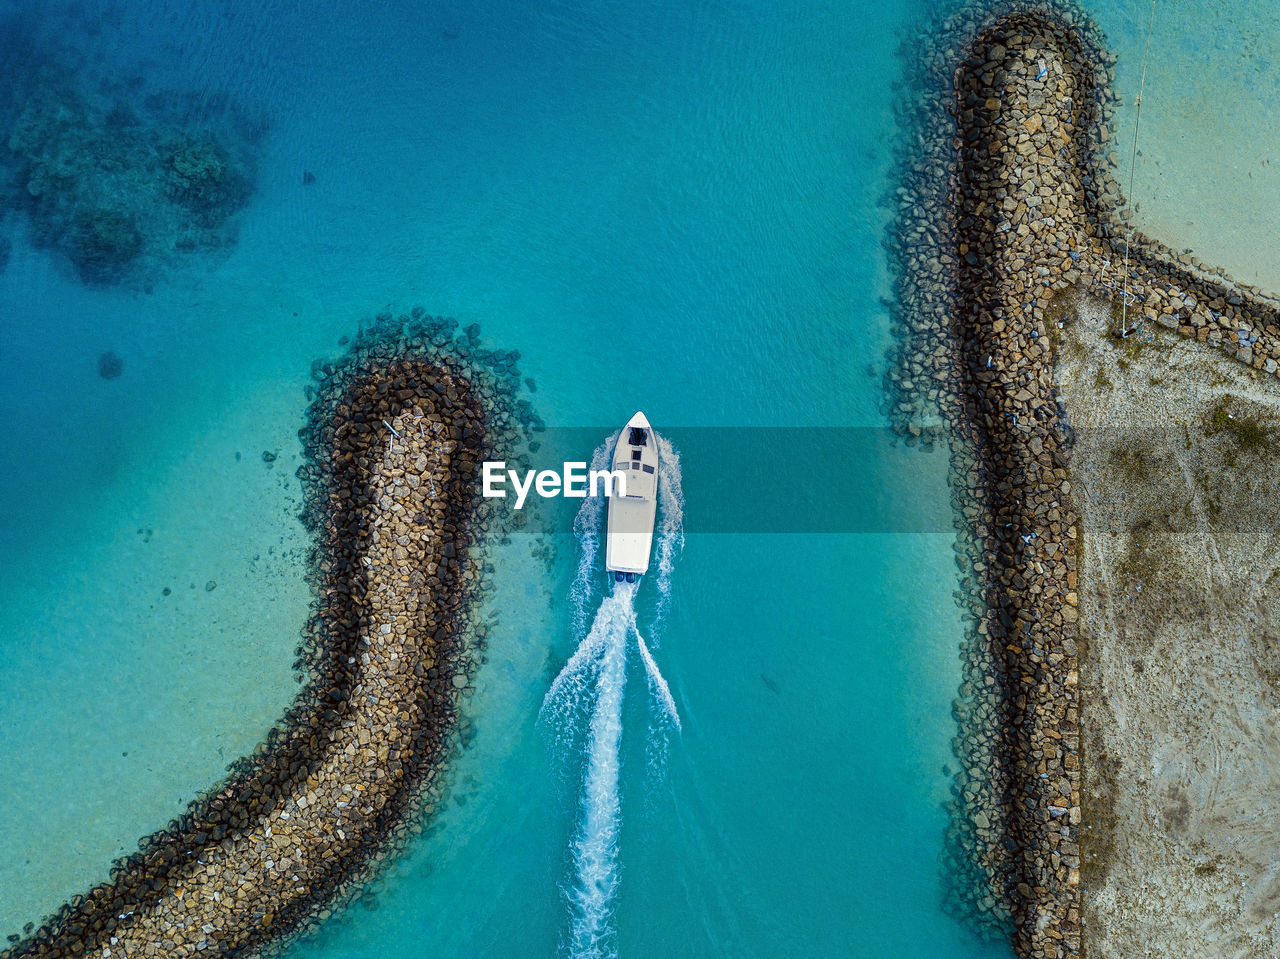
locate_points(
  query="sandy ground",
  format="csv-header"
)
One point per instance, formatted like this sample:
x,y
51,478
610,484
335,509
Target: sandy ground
x,y
1174,477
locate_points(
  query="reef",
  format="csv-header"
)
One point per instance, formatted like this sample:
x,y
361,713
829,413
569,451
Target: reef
x,y
118,177
1008,205
110,365
394,440
113,183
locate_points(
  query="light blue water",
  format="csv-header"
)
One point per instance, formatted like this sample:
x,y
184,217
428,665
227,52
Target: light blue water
x,y
699,179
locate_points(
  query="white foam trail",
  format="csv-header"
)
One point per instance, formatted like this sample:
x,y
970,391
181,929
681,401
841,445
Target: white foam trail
x,y
586,526
658,687
573,690
590,689
670,529
595,846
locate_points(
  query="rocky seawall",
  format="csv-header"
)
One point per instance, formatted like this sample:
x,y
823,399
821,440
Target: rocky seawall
x,y
1008,202
395,439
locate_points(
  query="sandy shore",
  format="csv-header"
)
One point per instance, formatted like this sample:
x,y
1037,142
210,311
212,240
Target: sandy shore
x,y
1175,481
1008,211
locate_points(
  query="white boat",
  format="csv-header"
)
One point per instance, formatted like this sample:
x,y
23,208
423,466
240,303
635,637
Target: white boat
x,y
629,531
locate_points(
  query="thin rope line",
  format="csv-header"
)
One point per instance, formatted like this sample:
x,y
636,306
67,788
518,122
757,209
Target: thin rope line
x,y
1133,163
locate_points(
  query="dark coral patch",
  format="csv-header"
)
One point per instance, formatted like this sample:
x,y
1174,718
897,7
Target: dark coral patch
x,y
110,366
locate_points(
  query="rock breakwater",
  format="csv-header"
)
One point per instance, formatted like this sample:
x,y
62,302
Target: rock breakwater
x,y
395,439
1009,202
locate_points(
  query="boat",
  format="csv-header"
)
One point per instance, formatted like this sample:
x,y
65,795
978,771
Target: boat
x,y
629,530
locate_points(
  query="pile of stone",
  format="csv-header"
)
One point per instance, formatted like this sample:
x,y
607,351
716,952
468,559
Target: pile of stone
x,y
395,440
1008,201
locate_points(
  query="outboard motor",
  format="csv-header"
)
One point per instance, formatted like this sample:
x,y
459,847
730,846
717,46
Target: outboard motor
x,y
619,576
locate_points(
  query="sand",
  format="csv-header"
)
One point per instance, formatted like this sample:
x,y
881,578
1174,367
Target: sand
x,y
1210,90
1180,658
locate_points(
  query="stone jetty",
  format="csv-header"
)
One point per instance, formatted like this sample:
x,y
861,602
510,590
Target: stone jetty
x,y
395,440
1008,203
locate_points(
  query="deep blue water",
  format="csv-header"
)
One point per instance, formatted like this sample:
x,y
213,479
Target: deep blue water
x,y
699,181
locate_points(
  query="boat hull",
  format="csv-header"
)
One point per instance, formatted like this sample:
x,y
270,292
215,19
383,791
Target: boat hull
x,y
629,528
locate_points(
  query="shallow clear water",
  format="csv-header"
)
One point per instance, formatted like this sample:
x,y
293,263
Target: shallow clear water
x,y
702,179
1207,173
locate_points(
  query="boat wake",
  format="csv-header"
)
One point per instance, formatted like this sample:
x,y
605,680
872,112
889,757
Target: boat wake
x,y
583,707
671,528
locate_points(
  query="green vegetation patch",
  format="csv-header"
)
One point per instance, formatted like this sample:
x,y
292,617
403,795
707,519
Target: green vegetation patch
x,y
1132,346
1249,433
1058,314
1099,821
1132,462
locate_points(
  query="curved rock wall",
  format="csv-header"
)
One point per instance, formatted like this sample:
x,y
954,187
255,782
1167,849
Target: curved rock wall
x,y
392,491
1008,201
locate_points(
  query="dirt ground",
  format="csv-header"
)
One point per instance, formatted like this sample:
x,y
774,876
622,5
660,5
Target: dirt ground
x,y
1174,474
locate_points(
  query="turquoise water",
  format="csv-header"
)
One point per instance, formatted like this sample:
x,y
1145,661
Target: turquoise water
x,y
700,179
